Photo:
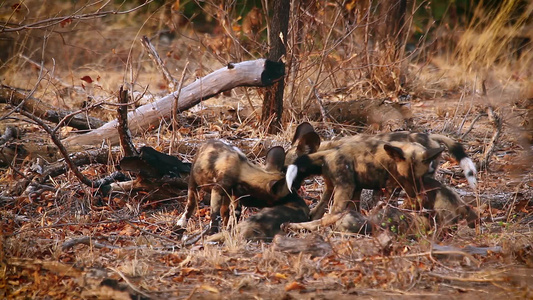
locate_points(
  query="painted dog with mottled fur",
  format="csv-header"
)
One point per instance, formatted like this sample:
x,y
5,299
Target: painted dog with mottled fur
x,y
446,205
227,173
307,141
352,166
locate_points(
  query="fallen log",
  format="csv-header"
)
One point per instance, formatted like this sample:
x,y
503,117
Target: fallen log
x,y
259,72
38,108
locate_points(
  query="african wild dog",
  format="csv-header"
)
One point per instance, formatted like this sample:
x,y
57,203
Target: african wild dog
x,y
368,164
382,216
441,202
347,221
307,141
265,224
446,204
226,172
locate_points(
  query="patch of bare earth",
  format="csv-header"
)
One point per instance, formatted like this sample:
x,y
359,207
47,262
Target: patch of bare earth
x,y
69,245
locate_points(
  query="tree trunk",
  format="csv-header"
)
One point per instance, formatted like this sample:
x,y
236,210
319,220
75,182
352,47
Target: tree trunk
x,y
389,30
273,101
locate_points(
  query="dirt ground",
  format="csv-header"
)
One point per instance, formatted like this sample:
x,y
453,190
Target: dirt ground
x,y
129,240
67,241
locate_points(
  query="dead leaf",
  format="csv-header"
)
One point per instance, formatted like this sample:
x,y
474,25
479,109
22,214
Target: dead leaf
x,y
294,286
188,271
65,22
210,288
16,7
87,79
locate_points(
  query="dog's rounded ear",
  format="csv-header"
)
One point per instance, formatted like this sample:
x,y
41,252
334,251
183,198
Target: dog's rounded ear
x,y
308,143
278,188
395,153
275,159
432,153
301,130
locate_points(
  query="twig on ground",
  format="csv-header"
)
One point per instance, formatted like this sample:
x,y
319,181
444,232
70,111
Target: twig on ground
x,y
115,176
131,285
467,279
91,242
195,238
463,288
150,233
102,156
472,124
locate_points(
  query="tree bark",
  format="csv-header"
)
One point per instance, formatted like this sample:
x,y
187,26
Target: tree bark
x,y
389,30
273,101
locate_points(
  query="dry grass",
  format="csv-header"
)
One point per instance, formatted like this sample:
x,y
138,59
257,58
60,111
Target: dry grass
x,y
329,58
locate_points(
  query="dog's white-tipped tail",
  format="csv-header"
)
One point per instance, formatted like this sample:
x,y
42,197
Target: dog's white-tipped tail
x,y
292,171
469,170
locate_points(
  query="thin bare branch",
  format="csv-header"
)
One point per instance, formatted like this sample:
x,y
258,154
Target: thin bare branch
x,y
61,148
152,52
57,20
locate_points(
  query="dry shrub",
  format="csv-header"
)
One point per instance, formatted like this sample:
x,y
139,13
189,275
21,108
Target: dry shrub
x,y
494,48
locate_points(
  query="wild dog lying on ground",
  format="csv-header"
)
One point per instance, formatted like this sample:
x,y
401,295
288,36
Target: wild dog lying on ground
x,y
265,224
353,166
226,172
348,221
447,205
382,216
307,141
441,201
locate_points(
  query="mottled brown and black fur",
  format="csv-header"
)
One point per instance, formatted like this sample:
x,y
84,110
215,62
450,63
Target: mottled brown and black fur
x,y
447,205
306,141
226,172
368,164
348,221
265,224
384,217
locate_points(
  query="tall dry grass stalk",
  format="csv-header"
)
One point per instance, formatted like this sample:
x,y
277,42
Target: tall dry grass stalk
x,y
488,40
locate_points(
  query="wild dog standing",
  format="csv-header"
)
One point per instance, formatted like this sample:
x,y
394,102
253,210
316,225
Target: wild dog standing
x,y
226,171
448,206
353,166
307,141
